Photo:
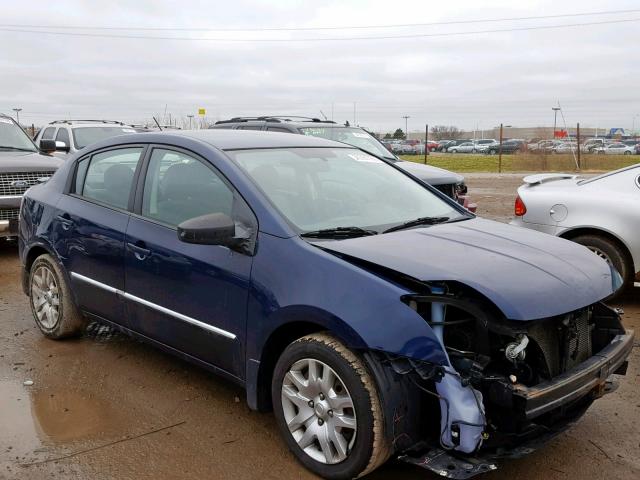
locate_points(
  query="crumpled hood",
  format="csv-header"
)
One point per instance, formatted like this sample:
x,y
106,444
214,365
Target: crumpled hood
x,y
528,275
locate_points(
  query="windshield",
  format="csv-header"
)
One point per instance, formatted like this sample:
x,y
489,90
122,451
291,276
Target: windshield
x,y
12,137
324,188
83,136
351,136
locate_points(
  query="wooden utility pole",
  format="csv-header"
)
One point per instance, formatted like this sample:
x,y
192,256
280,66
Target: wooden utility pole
x,y
426,142
578,145
500,152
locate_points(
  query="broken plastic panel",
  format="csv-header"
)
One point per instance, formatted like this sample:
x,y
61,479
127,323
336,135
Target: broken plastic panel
x,y
462,411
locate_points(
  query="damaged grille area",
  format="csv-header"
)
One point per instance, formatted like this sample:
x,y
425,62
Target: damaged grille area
x,y
564,342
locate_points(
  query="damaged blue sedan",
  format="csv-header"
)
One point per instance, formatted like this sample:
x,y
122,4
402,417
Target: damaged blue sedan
x,y
375,316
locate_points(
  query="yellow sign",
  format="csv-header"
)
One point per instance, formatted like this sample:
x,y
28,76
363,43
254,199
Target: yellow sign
x,y
202,111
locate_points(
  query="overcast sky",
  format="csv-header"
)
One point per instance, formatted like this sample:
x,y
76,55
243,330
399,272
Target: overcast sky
x,y
466,80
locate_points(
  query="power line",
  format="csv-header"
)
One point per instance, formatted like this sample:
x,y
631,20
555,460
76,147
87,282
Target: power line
x,y
321,39
306,29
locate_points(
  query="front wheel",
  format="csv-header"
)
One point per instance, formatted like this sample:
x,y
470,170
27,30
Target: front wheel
x,y
53,309
627,153
327,408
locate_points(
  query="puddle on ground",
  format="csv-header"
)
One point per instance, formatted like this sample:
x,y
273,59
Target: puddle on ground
x,y
62,417
18,435
32,420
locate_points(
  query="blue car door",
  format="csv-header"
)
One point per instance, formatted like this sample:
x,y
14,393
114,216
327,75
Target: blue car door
x,y
90,226
192,298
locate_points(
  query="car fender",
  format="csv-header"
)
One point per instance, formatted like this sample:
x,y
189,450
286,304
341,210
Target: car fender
x,y
331,290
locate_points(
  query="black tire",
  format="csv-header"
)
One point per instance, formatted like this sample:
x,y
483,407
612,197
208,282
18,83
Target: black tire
x,y
453,151
492,152
627,153
69,321
612,253
371,448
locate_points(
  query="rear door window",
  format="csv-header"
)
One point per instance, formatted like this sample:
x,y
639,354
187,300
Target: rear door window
x,y
108,176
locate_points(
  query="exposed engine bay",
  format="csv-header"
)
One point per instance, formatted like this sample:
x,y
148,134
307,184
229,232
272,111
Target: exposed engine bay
x,y
507,383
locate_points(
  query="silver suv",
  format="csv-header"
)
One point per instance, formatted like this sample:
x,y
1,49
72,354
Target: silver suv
x,y
73,135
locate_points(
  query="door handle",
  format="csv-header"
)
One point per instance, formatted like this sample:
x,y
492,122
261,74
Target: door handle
x,y
65,221
139,250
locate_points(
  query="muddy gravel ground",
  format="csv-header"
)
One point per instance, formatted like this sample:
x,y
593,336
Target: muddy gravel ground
x,y
107,407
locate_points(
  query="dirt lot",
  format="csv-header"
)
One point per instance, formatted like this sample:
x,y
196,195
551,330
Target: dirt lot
x,y
108,407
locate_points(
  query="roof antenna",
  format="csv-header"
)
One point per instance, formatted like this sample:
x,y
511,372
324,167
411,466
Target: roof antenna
x,y
325,117
155,120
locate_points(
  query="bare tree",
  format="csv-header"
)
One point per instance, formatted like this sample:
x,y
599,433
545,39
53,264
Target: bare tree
x,y
444,132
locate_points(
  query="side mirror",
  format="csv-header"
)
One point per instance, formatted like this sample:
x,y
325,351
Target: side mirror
x,y
211,229
47,146
62,146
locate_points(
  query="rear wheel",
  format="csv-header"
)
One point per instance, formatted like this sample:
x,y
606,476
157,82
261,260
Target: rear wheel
x,y
327,408
53,309
612,253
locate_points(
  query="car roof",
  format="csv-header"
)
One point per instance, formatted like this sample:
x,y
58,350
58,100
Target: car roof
x,y
226,139
274,120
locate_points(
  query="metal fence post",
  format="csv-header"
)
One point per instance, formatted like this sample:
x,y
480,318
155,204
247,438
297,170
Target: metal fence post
x,y
426,142
500,152
578,145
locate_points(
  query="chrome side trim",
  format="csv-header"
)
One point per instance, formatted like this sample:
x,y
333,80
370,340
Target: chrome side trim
x,y
154,306
180,316
10,197
95,283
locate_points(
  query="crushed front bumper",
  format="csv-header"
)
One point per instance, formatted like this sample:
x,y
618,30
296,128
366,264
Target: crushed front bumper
x,y
566,398
589,377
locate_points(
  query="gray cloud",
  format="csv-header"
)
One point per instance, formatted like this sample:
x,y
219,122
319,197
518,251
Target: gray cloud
x,y
470,80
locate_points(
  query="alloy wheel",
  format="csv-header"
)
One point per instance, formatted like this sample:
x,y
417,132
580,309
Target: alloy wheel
x,y
601,254
319,411
45,297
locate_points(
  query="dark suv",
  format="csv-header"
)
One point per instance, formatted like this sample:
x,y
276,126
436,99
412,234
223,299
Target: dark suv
x,y
449,183
22,165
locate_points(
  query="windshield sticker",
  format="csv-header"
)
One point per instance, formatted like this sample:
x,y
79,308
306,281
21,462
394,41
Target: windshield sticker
x,y
128,130
363,157
5,120
361,135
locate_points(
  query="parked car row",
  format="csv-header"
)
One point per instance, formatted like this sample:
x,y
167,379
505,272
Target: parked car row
x,y
594,145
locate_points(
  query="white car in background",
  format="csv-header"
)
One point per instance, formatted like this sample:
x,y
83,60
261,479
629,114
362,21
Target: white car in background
x,y
73,135
466,147
597,212
482,146
615,149
565,147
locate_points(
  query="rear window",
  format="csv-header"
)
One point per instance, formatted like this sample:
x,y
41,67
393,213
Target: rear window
x,y
83,136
